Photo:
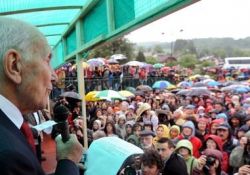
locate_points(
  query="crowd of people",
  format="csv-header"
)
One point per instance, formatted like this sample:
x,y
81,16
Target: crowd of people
x,y
204,134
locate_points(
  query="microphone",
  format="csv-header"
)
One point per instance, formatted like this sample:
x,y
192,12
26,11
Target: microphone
x,y
61,114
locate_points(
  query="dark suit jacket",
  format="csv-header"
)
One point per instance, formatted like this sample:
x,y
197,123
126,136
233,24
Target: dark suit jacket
x,y
17,157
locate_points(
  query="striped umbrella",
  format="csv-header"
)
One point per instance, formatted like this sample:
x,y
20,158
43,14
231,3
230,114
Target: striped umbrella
x,y
109,95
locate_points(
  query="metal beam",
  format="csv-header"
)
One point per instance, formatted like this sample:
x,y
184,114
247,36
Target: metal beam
x,y
52,24
56,34
39,9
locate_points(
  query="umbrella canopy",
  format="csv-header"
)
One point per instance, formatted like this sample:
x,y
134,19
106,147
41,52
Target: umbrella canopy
x,y
231,88
126,94
91,96
109,95
183,92
107,155
85,65
72,95
95,62
241,90
118,57
139,92
199,92
131,89
213,83
162,84
158,65
184,84
113,61
144,88
199,84
135,63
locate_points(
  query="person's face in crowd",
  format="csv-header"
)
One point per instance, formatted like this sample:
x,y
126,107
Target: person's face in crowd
x,y
187,131
110,118
223,133
173,133
104,106
214,126
176,114
35,79
95,126
146,141
218,107
240,134
121,122
235,122
184,152
202,125
137,131
109,128
149,169
164,150
211,144
103,120
129,116
189,111
147,128
124,106
248,123
159,131
128,129
110,110
98,113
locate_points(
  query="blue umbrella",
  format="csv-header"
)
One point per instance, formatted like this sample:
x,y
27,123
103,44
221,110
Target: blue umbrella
x,y
184,84
213,83
241,90
162,84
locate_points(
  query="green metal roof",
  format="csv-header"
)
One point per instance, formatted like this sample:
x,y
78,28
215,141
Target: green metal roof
x,y
72,27
52,17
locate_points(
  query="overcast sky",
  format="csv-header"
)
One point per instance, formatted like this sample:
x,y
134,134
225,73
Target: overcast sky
x,y
206,18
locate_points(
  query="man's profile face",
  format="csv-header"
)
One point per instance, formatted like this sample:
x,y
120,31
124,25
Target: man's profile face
x,y
164,150
36,78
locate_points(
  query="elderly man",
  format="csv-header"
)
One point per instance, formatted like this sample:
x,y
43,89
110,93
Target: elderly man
x,y
25,76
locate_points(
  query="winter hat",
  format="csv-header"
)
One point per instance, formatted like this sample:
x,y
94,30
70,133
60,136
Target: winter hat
x,y
190,125
175,127
244,128
214,153
221,115
224,126
99,123
122,117
216,139
130,122
184,144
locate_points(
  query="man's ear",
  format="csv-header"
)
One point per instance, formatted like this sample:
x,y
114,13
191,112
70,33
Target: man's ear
x,y
12,66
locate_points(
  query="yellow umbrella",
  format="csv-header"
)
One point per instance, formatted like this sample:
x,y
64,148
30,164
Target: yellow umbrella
x,y
126,94
85,65
171,86
194,77
91,96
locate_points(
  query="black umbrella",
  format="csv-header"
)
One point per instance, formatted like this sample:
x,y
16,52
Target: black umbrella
x,y
72,95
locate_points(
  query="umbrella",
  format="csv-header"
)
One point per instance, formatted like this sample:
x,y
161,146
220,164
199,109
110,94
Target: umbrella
x,y
112,152
118,57
91,96
126,94
135,63
72,95
113,61
131,89
199,84
162,84
95,62
233,87
144,88
84,65
184,84
109,95
213,83
158,65
241,90
139,92
183,92
199,92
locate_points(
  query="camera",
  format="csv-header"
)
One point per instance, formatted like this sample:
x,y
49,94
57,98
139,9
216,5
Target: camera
x,y
209,162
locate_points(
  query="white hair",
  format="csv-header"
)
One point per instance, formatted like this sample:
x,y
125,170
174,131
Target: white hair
x,y
18,35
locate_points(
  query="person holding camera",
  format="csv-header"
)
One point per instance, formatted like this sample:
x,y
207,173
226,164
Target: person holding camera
x,y
241,154
212,166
